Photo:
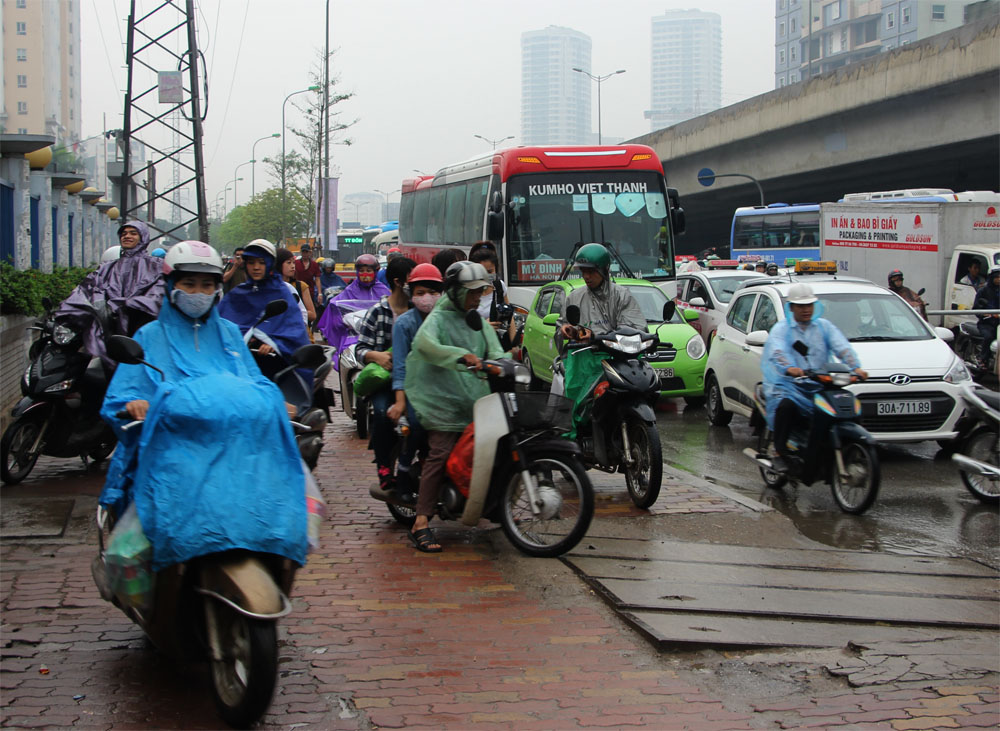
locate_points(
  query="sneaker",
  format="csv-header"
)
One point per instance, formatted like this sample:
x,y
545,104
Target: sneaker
x,y
780,464
386,481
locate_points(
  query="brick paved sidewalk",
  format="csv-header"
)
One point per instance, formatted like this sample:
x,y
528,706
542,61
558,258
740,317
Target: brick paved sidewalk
x,y
385,637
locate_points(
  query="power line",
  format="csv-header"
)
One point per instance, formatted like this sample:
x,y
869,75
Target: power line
x,y
104,43
232,84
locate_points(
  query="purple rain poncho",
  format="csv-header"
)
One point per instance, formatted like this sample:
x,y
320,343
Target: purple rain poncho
x,y
131,288
331,324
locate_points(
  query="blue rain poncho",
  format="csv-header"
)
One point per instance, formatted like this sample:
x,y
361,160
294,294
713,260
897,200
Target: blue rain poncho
x,y
825,343
215,465
440,389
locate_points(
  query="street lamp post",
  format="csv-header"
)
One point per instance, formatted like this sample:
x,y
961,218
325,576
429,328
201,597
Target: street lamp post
x,y
253,160
226,197
235,173
300,91
385,216
494,142
599,80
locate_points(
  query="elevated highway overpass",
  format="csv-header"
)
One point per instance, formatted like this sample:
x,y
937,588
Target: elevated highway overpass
x,y
926,114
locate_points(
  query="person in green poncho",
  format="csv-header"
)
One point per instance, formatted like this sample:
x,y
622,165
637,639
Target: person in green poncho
x,y
440,386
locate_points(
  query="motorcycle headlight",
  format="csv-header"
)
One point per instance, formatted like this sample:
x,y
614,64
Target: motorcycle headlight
x,y
958,373
62,335
630,344
57,387
695,347
522,374
840,379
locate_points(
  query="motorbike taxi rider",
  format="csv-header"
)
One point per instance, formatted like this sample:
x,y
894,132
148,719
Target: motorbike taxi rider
x,y
180,468
895,280
604,305
440,385
781,364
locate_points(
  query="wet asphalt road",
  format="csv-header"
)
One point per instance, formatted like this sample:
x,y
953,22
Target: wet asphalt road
x,y
922,506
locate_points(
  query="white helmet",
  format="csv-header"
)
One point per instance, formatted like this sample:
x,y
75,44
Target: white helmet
x,y
192,256
469,274
801,294
111,254
261,245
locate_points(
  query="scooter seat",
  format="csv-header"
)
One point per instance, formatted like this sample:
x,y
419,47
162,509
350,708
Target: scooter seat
x,y
969,328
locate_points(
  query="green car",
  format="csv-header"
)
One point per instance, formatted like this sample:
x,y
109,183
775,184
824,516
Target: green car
x,y
679,360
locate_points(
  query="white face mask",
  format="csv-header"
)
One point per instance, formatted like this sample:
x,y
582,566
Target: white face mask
x,y
194,305
425,302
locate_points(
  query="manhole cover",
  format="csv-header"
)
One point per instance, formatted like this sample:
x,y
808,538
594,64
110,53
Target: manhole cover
x,y
34,517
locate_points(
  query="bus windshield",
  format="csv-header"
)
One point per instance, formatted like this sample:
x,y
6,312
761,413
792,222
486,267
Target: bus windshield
x,y
774,234
551,212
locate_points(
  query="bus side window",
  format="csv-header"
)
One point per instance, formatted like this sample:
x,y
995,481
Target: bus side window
x,y
475,209
435,216
454,222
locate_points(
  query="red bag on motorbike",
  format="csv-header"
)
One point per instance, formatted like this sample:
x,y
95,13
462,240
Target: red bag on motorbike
x,y
460,460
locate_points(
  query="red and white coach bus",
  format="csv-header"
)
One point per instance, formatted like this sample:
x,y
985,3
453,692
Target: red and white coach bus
x,y
537,203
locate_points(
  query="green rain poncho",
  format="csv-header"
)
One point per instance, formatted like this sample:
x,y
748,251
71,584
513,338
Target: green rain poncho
x,y
439,388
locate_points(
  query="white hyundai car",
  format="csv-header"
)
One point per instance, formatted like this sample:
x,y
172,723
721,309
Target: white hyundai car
x,y
914,378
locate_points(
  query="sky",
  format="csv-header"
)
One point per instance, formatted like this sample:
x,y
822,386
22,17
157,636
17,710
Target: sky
x,y
426,76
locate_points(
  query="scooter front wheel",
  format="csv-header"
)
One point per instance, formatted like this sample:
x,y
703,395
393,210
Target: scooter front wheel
x,y
982,446
243,679
565,509
644,469
16,453
858,491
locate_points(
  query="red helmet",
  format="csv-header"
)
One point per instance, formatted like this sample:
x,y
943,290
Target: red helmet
x,y
394,250
425,273
366,260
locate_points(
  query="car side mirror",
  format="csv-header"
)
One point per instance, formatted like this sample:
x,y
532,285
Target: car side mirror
x,y
669,308
757,338
474,320
945,334
573,315
690,315
697,302
551,319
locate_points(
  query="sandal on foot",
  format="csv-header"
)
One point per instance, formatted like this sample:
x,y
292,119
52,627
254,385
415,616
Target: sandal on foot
x,y
424,540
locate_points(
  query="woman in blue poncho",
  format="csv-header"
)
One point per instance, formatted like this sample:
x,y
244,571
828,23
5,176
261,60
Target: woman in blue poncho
x,y
215,465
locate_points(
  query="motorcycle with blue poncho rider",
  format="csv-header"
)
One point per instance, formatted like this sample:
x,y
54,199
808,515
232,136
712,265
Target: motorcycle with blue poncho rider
x,y
204,517
812,426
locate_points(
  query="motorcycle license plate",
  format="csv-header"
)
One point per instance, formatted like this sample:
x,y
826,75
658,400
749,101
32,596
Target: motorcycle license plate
x,y
903,408
664,373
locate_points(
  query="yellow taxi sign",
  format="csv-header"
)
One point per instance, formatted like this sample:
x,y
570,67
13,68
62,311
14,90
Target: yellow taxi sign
x,y
815,267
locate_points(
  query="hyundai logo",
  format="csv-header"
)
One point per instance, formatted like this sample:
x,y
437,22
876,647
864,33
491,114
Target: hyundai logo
x,y
900,379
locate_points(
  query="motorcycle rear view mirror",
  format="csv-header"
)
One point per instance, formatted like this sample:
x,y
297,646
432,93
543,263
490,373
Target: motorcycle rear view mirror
x,y
573,315
126,350
474,320
669,308
273,309
309,356
921,291
801,348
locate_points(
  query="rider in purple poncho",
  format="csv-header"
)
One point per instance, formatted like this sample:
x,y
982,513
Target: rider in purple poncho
x,y
364,288
130,288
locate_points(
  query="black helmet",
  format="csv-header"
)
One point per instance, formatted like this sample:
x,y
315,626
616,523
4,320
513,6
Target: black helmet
x,y
893,274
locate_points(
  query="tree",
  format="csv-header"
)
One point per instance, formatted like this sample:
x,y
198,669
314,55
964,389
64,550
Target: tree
x,y
262,218
301,170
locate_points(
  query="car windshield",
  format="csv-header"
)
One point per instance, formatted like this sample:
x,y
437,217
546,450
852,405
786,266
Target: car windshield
x,y
551,212
724,287
651,301
873,317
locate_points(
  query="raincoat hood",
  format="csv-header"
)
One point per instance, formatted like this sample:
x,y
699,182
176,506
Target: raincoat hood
x,y
143,244
331,324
